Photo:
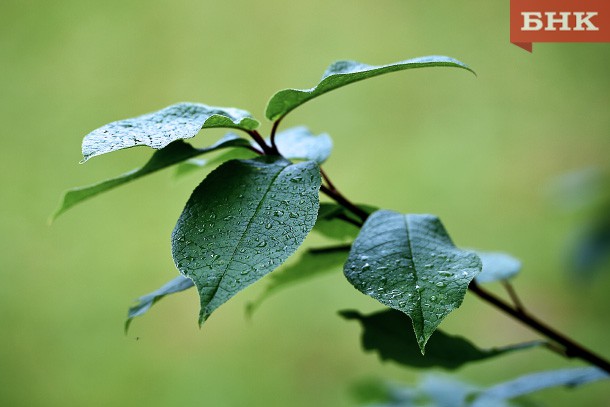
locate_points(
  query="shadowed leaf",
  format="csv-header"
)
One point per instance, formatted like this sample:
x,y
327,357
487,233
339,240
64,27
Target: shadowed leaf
x,y
388,333
174,153
312,263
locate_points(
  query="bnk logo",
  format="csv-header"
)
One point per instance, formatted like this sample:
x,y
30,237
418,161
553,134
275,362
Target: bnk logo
x,y
559,21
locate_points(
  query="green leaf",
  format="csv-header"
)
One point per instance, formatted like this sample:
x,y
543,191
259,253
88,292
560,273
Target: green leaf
x,y
299,143
145,302
497,266
160,128
538,381
408,262
387,332
172,154
243,221
343,73
312,263
336,222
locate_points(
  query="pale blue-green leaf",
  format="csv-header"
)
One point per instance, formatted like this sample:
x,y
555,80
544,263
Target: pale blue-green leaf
x,y
312,263
298,143
538,381
388,333
497,266
243,221
160,128
174,153
145,302
409,263
343,73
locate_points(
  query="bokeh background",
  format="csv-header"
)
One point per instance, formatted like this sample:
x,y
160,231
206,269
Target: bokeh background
x,y
480,152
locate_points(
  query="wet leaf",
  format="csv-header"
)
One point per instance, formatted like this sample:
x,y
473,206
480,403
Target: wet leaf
x,y
159,129
244,220
409,263
497,266
174,153
343,73
145,302
388,333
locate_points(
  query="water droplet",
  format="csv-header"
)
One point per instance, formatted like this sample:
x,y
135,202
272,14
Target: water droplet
x,y
268,226
433,298
445,273
262,243
294,215
366,267
440,284
296,179
278,213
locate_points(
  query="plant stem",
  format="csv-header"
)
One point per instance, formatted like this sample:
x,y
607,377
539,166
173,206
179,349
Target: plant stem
x,y
261,142
572,349
273,131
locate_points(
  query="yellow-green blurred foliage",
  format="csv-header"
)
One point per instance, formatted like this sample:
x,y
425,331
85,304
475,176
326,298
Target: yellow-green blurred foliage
x,y
477,151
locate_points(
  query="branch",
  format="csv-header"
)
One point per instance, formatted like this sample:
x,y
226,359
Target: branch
x,y
572,349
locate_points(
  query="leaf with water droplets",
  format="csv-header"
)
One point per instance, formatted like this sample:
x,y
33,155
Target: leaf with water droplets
x,y
387,332
312,263
497,266
145,302
298,143
160,128
244,220
174,153
409,263
343,73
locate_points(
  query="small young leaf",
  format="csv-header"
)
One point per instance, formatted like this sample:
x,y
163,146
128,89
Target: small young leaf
x,y
343,73
538,381
388,333
172,154
408,262
312,263
300,144
497,266
160,128
243,221
176,285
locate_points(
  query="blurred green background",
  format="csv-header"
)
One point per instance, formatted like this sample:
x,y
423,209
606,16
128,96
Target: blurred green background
x,y
477,151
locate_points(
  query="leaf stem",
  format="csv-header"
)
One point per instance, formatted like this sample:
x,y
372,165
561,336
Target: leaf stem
x,y
343,201
513,295
572,349
273,131
261,142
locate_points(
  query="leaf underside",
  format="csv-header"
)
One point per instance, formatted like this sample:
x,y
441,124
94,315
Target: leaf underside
x,y
145,302
172,154
299,143
244,220
343,73
388,333
160,128
409,263
497,266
